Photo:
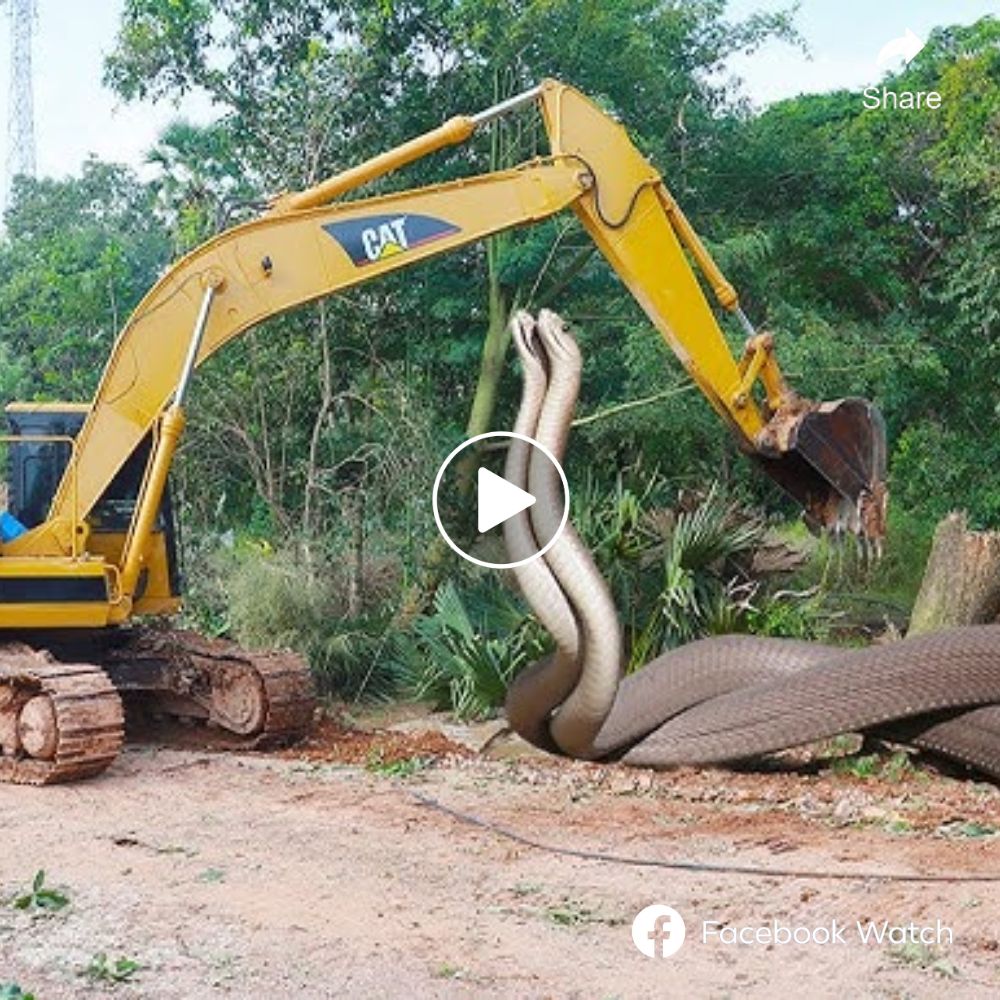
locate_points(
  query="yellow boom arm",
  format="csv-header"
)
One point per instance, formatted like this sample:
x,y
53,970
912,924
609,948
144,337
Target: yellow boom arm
x,y
305,248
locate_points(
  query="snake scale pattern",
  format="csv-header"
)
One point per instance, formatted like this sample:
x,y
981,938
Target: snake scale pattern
x,y
718,700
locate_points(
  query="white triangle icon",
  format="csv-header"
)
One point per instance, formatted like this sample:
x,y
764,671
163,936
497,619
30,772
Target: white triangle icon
x,y
498,500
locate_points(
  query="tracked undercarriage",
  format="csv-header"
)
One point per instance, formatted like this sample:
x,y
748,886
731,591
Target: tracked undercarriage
x,y
61,706
58,721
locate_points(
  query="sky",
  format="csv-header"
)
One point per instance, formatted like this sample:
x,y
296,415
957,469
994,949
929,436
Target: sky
x,y
844,38
75,115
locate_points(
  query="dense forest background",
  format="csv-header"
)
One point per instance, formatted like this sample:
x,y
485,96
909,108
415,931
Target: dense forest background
x,y
867,240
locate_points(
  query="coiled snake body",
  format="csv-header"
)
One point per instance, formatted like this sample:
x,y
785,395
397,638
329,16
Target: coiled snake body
x,y
715,700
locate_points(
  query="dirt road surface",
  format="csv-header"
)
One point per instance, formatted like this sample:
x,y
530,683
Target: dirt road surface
x,y
317,873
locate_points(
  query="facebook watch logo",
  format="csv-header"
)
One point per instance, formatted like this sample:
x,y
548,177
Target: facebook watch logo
x,y
658,931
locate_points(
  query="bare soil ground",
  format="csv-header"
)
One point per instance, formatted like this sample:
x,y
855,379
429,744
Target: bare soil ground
x,y
317,873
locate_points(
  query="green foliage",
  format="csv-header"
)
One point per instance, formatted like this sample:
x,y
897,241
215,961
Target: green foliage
x,y
200,186
791,614
898,575
103,969
76,257
850,593
937,469
404,768
679,573
575,913
328,82
464,653
893,768
11,991
971,829
274,599
790,201
41,897
919,955
695,596
866,241
882,230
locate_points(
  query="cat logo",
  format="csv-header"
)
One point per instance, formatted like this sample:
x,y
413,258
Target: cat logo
x,y
377,237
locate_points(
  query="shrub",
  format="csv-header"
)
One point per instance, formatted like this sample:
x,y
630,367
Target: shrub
x,y
464,653
677,572
270,599
793,614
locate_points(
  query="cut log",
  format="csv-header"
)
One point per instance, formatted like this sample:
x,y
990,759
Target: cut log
x,y
961,584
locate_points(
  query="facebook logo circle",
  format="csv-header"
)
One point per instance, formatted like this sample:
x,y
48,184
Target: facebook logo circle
x,y
658,931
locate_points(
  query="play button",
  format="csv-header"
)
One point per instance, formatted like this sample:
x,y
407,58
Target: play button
x,y
497,500
476,505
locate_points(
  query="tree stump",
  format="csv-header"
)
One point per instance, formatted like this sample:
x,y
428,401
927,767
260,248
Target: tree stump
x,y
961,584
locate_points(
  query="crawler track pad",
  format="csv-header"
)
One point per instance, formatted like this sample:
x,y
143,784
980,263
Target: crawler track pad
x,y
59,722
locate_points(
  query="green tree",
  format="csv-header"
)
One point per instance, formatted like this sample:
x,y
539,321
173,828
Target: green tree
x,y
308,88
879,271
76,257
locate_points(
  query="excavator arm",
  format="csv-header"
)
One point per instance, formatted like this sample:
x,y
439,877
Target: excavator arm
x,y
305,248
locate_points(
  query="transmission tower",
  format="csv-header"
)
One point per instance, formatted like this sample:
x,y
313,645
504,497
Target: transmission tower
x,y
21,117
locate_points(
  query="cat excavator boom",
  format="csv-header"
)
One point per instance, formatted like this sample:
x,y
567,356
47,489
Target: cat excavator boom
x,y
88,542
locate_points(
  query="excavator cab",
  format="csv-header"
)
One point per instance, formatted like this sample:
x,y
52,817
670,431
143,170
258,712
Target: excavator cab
x,y
39,448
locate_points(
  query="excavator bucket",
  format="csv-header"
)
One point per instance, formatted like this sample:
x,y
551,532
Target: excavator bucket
x,y
831,458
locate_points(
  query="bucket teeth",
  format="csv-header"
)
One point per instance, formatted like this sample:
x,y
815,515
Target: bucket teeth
x,y
831,457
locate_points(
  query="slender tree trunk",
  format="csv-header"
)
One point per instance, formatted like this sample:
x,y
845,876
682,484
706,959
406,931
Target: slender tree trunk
x,y
355,513
491,366
310,512
481,412
494,351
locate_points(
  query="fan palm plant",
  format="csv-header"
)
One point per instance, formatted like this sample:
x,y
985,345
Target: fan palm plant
x,y
464,653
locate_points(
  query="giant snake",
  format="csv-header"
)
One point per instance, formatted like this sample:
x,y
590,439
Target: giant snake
x,y
716,700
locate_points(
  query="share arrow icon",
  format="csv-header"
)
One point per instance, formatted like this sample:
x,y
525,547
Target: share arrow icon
x,y
906,46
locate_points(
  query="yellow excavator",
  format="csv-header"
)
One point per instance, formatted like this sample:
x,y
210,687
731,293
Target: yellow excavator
x,y
88,540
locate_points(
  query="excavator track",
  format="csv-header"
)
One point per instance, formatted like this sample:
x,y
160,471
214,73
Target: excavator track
x,y
260,700
59,722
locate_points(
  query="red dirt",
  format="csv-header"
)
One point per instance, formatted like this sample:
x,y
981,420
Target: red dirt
x,y
304,874
332,741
